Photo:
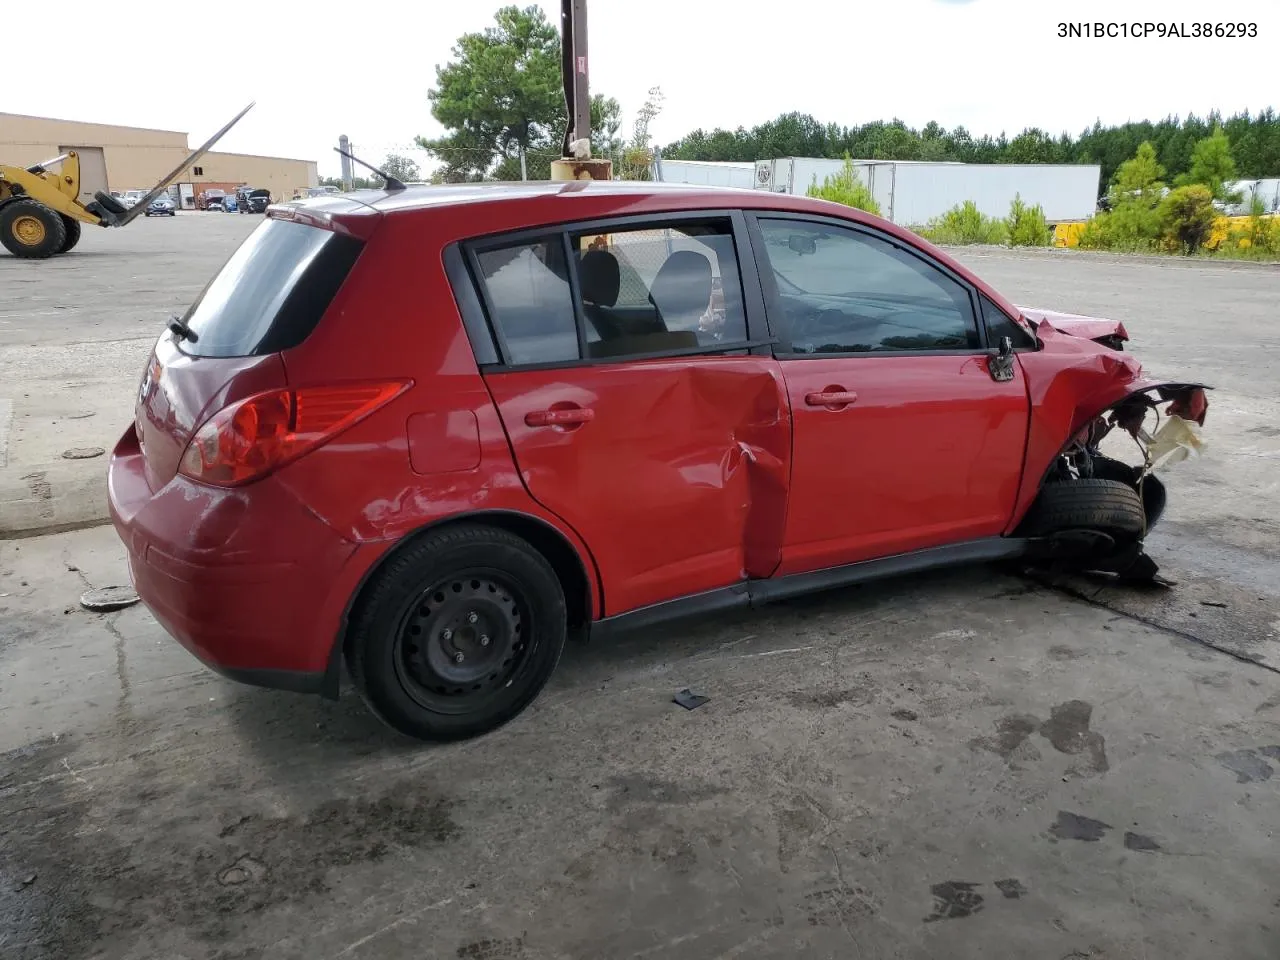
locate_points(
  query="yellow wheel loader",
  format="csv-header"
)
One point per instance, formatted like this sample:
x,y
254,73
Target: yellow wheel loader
x,y
40,209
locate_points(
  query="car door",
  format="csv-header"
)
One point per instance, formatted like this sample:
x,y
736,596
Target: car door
x,y
903,437
638,407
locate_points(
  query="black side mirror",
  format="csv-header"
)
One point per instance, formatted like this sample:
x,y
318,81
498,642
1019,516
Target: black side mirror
x,y
1000,365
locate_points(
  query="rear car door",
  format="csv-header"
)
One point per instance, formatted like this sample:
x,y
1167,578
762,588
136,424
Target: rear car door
x,y
639,408
903,438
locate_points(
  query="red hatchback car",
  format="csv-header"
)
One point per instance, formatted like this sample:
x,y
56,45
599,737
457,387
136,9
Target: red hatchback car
x,y
431,432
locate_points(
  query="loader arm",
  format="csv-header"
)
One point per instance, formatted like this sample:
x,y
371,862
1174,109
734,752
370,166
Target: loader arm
x,y
138,208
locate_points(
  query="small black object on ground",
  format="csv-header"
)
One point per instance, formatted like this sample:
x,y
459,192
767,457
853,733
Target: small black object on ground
x,y
690,700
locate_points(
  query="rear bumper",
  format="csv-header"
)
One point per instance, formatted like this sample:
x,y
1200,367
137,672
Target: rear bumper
x,y
249,581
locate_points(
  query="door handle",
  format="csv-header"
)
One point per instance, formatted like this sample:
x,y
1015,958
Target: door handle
x,y
559,418
830,398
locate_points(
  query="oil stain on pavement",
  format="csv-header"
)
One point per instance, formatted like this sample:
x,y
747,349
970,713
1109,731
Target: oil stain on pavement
x,y
1067,729
1073,826
1250,765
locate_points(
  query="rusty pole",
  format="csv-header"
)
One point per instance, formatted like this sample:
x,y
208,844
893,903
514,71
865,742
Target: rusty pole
x,y
576,162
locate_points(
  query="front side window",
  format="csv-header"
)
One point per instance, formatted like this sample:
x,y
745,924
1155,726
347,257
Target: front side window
x,y
659,288
1000,325
846,291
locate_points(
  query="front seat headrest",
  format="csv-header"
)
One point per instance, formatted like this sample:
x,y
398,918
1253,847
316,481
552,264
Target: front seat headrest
x,y
600,277
682,289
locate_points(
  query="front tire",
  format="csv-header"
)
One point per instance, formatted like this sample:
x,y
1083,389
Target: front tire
x,y
31,230
458,633
1111,507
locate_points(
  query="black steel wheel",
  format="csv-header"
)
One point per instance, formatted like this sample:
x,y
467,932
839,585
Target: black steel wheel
x,y
463,642
458,633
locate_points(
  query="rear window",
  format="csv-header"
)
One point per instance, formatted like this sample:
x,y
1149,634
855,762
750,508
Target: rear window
x,y
272,292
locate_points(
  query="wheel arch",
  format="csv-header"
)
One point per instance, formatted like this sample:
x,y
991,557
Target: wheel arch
x,y
1077,418
575,572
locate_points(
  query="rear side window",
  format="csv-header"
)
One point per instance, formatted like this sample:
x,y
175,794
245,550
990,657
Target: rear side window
x,y
660,288
528,289
272,292
666,288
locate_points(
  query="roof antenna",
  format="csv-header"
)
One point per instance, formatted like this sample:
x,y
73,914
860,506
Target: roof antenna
x,y
393,183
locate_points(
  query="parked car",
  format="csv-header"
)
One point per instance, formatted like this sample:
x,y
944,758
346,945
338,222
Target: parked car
x,y
131,197
161,206
253,199
434,432
213,200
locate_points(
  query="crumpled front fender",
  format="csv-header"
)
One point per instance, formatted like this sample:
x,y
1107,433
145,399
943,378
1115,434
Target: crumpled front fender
x,y
1070,383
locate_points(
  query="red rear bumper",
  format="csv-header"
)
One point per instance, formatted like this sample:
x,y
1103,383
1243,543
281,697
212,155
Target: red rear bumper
x,y
247,580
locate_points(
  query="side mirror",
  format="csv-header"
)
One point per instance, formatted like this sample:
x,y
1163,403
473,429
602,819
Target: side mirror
x,y
802,244
1000,364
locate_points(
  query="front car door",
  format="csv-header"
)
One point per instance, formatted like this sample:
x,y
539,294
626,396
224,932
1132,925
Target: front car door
x,y
903,439
639,408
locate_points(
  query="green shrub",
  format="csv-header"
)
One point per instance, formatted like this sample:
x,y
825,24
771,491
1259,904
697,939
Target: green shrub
x,y
1026,225
1133,223
965,224
1096,234
845,187
1186,217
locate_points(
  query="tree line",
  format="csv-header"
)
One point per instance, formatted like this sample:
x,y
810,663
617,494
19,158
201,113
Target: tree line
x,y
500,100
1254,139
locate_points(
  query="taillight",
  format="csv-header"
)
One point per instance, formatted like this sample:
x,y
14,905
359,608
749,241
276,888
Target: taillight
x,y
252,437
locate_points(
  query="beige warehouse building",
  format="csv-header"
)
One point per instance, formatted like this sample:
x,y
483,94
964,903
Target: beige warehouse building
x,y
134,158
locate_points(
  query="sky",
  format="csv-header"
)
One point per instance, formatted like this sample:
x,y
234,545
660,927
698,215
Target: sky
x,y
989,65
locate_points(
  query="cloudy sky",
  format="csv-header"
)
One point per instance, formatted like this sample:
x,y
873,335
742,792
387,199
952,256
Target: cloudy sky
x,y
990,65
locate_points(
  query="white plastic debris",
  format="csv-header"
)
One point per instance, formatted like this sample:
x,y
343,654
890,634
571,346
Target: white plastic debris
x,y
1175,441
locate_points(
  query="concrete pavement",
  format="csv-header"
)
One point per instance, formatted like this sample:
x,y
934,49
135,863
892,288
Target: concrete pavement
x,y
75,332
965,765
958,766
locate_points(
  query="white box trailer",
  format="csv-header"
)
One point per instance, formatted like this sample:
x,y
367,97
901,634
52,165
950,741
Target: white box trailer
x,y
912,193
1267,190
705,172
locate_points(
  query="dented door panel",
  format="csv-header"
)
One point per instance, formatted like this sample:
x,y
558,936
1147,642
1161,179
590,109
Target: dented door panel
x,y
675,471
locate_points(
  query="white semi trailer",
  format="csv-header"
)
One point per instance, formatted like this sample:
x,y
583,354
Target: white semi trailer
x,y
912,193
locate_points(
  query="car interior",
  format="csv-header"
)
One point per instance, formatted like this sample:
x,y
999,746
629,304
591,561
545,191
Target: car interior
x,y
529,288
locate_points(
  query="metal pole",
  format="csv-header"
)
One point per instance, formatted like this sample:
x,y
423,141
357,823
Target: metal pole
x,y
581,92
524,170
575,164
345,145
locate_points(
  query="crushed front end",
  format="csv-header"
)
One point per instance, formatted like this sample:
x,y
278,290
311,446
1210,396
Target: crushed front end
x,y
1084,508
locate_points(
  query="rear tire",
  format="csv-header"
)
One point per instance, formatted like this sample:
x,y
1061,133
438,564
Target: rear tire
x,y
1106,506
73,232
31,230
457,634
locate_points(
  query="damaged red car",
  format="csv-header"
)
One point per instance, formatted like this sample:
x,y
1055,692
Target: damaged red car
x,y
429,433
